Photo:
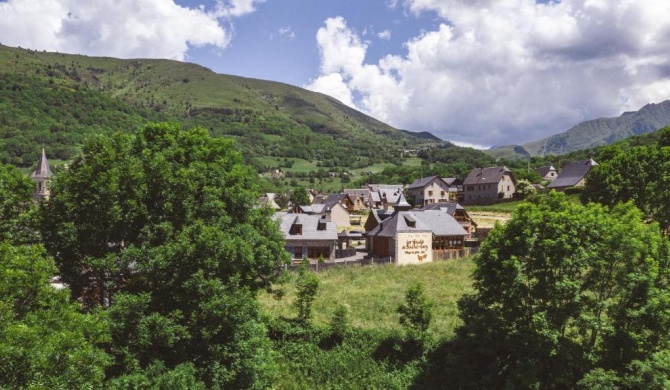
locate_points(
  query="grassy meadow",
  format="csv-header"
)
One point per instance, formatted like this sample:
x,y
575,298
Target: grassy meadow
x,y
372,294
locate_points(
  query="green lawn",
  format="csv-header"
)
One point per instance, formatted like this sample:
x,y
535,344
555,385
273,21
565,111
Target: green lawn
x,y
372,294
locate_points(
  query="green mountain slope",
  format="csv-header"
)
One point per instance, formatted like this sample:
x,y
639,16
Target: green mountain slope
x,y
593,133
266,118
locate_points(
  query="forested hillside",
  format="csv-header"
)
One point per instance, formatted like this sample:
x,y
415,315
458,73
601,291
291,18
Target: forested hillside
x,y
67,95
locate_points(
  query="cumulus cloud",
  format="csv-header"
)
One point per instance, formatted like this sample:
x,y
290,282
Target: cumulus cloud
x,y
508,71
118,28
385,35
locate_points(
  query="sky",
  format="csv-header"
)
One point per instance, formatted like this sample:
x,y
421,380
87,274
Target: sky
x,y
476,72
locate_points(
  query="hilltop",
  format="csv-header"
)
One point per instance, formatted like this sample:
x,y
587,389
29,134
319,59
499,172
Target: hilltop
x,y
265,118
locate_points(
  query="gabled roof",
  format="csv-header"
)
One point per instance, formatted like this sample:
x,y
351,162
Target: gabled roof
x,y
362,193
43,170
572,173
448,207
310,227
438,222
542,171
489,175
423,182
392,195
378,187
333,199
452,181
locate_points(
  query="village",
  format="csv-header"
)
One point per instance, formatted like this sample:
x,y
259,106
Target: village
x,y
422,222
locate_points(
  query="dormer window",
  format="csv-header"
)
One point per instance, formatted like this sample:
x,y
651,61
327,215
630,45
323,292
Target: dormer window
x,y
296,229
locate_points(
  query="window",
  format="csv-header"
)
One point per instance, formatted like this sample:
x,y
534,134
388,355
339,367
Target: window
x,y
316,252
296,229
297,252
430,193
442,193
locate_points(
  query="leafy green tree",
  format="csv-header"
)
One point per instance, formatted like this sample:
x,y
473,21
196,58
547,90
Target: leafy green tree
x,y
525,189
299,196
416,312
637,175
565,293
307,287
45,342
15,204
163,228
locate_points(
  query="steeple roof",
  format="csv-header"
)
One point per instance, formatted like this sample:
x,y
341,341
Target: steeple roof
x,y
43,170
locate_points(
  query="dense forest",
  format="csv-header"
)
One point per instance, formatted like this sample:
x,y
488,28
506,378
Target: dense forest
x,y
164,254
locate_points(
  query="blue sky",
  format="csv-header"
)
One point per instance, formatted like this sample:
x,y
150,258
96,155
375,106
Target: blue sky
x,y
476,72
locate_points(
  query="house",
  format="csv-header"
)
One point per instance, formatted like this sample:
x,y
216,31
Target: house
x,y
455,188
428,190
361,197
488,183
42,176
268,199
459,213
384,195
572,175
416,236
310,236
547,173
346,200
333,211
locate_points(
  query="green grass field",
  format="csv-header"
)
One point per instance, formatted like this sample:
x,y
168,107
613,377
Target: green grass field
x,y
372,294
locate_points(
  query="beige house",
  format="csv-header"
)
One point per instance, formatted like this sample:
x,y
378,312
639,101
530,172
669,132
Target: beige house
x,y
334,212
488,183
428,190
547,173
415,237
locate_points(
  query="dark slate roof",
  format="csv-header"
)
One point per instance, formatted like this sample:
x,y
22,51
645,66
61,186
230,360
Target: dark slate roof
x,y
422,182
452,181
333,199
43,170
572,173
450,207
542,171
362,193
489,175
436,221
309,224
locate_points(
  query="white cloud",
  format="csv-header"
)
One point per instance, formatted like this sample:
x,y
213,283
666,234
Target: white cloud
x,y
287,32
509,71
118,28
236,8
385,35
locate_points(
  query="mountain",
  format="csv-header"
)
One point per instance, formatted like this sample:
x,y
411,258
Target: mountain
x,y
265,118
593,133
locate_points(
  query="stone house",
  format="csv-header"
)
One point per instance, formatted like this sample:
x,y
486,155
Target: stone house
x,y
547,173
428,190
572,175
488,183
310,236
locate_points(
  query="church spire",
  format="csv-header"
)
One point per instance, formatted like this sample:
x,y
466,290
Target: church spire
x,y
42,175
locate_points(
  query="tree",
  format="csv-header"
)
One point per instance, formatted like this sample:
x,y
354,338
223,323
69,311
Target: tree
x,y
637,175
299,196
525,189
16,192
566,292
416,312
45,341
307,287
163,228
